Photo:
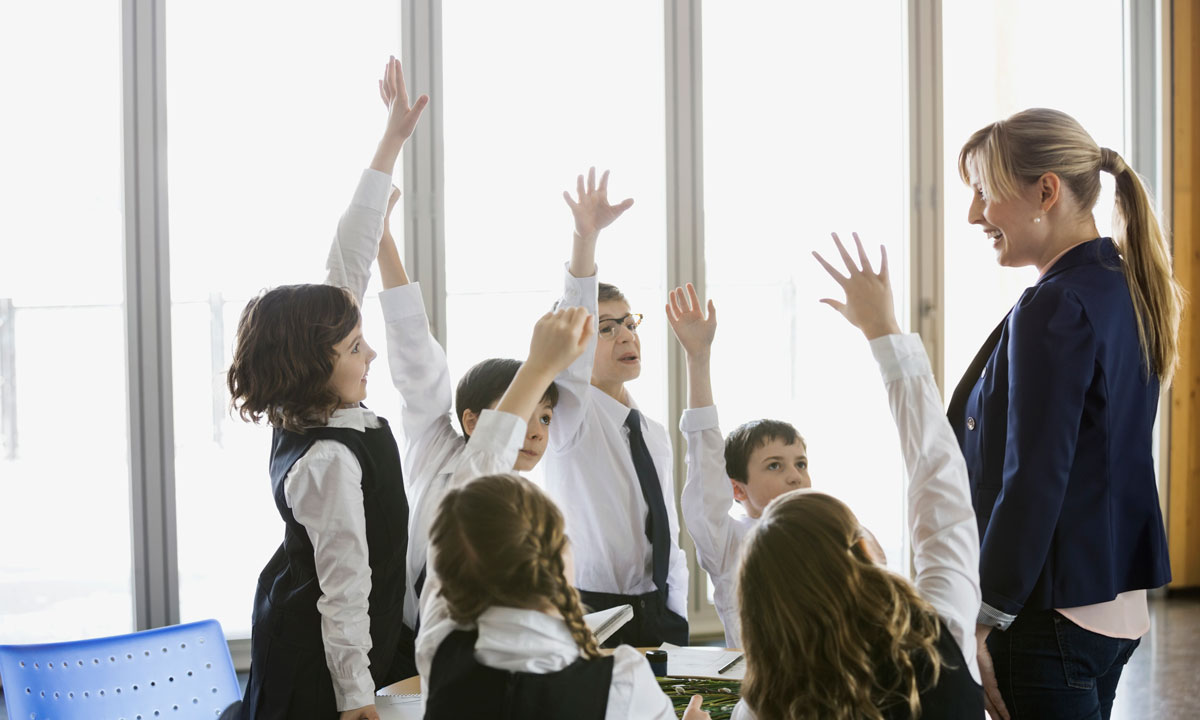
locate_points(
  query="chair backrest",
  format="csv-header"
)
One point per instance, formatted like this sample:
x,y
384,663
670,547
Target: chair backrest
x,y
177,673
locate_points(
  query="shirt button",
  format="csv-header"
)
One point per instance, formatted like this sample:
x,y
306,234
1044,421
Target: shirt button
x,y
970,423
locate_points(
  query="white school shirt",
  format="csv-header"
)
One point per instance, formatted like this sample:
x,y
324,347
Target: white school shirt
x,y
707,497
432,447
590,475
324,488
519,640
945,536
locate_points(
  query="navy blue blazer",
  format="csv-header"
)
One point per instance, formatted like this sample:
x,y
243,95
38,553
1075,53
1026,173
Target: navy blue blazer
x,y
1054,419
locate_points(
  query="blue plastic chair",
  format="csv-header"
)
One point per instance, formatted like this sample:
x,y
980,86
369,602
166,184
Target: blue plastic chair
x,y
173,673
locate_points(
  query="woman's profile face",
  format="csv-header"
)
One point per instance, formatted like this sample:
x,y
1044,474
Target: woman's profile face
x,y
1014,226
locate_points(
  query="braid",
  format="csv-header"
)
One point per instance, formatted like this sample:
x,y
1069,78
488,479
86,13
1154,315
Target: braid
x,y
556,587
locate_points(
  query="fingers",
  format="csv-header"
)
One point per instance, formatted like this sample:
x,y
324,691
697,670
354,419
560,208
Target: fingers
x,y
845,255
591,183
693,298
883,264
604,185
622,207
401,89
579,191
840,278
570,203
862,254
839,306
712,311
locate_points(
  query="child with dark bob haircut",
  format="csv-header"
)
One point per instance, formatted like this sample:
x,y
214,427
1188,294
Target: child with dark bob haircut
x,y
328,624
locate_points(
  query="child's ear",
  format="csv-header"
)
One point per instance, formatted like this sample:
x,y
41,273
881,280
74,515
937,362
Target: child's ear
x,y
739,490
469,418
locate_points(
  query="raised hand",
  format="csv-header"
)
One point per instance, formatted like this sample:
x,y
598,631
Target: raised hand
x,y
402,117
685,314
868,303
591,208
559,337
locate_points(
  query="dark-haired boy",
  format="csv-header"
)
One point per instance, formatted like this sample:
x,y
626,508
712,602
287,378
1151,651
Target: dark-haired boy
x,y
760,460
433,448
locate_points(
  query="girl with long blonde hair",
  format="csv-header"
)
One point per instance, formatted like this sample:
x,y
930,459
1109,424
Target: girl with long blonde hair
x,y
828,631
1055,417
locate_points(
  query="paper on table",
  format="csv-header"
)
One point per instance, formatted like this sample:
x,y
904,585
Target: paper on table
x,y
703,662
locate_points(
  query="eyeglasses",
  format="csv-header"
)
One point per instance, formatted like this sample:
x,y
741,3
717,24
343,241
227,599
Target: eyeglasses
x,y
608,327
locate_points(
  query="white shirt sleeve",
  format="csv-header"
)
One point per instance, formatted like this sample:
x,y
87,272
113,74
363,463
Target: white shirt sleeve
x,y
324,491
356,242
422,376
573,383
677,570
634,692
944,533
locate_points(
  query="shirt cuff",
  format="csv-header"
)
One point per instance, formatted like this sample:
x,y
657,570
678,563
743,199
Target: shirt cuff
x,y
575,290
498,433
992,617
402,301
374,189
900,356
697,419
354,692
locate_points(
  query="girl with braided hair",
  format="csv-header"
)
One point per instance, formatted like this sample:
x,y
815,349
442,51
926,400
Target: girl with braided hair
x,y
501,623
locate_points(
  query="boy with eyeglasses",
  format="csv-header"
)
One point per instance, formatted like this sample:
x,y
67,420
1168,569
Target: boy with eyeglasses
x,y
609,468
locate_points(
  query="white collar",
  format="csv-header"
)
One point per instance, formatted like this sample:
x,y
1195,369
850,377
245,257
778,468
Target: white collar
x,y
355,418
524,641
615,409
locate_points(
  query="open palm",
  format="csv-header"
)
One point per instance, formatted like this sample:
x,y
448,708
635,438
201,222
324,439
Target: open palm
x,y
694,331
591,208
402,117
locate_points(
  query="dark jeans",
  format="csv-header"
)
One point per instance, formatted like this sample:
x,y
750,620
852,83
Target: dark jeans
x,y
1049,667
652,623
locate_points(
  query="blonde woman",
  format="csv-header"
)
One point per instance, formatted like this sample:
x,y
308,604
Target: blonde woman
x,y
1055,416
828,631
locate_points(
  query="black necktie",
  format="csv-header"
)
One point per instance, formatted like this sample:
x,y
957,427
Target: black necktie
x,y
658,529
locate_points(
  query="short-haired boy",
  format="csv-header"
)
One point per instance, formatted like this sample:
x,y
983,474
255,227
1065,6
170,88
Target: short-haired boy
x,y
761,460
609,467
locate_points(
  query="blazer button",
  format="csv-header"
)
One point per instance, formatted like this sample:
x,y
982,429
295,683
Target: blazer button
x,y
970,423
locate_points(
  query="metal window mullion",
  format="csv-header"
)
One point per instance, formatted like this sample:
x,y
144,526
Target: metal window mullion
x,y
148,316
926,185
424,162
926,296
685,235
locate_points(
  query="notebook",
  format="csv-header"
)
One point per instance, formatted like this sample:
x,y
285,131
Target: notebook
x,y
604,623
704,662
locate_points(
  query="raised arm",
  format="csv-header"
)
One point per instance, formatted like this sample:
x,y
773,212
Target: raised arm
x,y
592,212
942,522
360,227
695,334
391,267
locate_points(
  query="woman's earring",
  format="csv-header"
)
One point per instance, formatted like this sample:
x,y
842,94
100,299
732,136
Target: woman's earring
x,y
1038,219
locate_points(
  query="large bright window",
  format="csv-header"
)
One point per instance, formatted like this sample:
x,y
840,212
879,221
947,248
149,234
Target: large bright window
x,y
1078,68
64,456
268,138
792,151
581,85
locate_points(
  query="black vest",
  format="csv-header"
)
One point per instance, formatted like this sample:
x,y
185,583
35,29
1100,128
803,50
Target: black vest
x,y
461,688
289,677
956,694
